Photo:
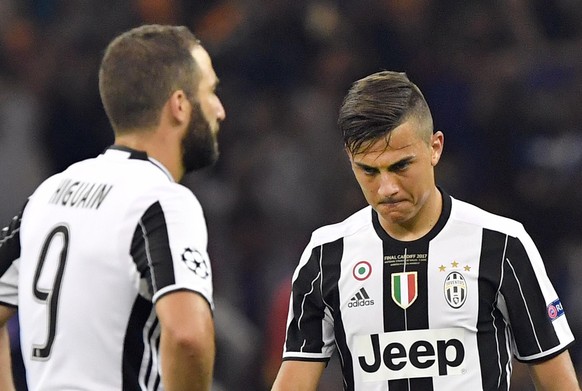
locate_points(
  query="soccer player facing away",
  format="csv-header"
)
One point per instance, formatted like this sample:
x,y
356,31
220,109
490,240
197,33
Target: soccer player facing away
x,y
418,291
107,262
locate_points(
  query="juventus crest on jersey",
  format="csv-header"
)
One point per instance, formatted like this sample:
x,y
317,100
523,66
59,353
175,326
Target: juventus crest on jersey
x,y
444,312
101,243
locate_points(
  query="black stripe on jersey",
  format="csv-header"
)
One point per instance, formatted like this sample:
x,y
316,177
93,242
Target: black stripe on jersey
x,y
527,304
150,249
492,341
331,254
133,346
10,243
411,256
415,317
308,308
153,349
157,383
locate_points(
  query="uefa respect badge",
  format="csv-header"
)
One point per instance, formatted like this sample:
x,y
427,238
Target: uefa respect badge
x,y
555,309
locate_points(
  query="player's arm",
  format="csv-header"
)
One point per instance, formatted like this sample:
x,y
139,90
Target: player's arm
x,y
9,252
187,343
6,381
555,374
298,376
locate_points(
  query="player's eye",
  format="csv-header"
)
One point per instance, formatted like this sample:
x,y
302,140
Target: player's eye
x,y
369,170
400,166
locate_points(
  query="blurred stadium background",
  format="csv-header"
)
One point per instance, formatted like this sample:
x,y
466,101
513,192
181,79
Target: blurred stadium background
x,y
503,79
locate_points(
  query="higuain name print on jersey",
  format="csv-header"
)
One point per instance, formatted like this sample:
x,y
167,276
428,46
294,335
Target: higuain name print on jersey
x,y
79,194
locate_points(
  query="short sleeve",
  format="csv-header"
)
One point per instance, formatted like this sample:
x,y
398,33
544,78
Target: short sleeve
x,y
309,334
170,246
538,321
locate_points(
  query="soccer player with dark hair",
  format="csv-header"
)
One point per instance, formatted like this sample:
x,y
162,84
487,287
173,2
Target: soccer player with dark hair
x,y
418,291
107,262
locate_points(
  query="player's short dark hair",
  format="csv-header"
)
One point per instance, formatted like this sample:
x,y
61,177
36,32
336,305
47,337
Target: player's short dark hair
x,y
377,104
140,70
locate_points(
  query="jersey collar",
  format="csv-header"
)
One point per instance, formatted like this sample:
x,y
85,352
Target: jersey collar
x,y
140,155
443,218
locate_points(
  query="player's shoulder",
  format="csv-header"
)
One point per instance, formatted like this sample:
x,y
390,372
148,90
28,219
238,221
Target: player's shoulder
x,y
176,195
131,180
353,224
172,196
465,212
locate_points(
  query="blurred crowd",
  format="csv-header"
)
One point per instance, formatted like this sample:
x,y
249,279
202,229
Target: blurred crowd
x,y
503,80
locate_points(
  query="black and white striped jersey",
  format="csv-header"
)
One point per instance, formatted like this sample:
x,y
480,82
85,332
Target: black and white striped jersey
x,y
444,312
93,250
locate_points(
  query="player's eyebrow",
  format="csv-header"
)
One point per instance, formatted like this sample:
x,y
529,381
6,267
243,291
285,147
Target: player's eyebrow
x,y
364,166
405,160
392,167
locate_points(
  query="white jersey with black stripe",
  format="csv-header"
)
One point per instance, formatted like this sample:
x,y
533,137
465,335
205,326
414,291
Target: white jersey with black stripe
x,y
444,312
98,244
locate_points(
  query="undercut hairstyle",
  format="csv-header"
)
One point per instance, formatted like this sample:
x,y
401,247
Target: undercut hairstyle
x,y
376,105
141,69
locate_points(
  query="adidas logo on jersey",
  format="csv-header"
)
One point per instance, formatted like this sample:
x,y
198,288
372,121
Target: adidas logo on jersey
x,y
360,299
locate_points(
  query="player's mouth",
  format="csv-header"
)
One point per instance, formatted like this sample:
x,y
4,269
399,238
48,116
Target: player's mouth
x,y
390,201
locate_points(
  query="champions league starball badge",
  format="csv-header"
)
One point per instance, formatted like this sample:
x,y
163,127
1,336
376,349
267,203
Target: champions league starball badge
x,y
196,262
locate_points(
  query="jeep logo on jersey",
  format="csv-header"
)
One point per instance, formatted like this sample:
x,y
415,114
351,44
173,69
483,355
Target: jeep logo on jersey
x,y
455,289
404,288
411,354
196,262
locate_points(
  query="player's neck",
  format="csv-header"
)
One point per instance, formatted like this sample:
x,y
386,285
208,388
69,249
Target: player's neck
x,y
167,153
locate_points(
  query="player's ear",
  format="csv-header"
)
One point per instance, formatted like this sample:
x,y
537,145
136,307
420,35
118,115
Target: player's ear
x,y
179,106
437,143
